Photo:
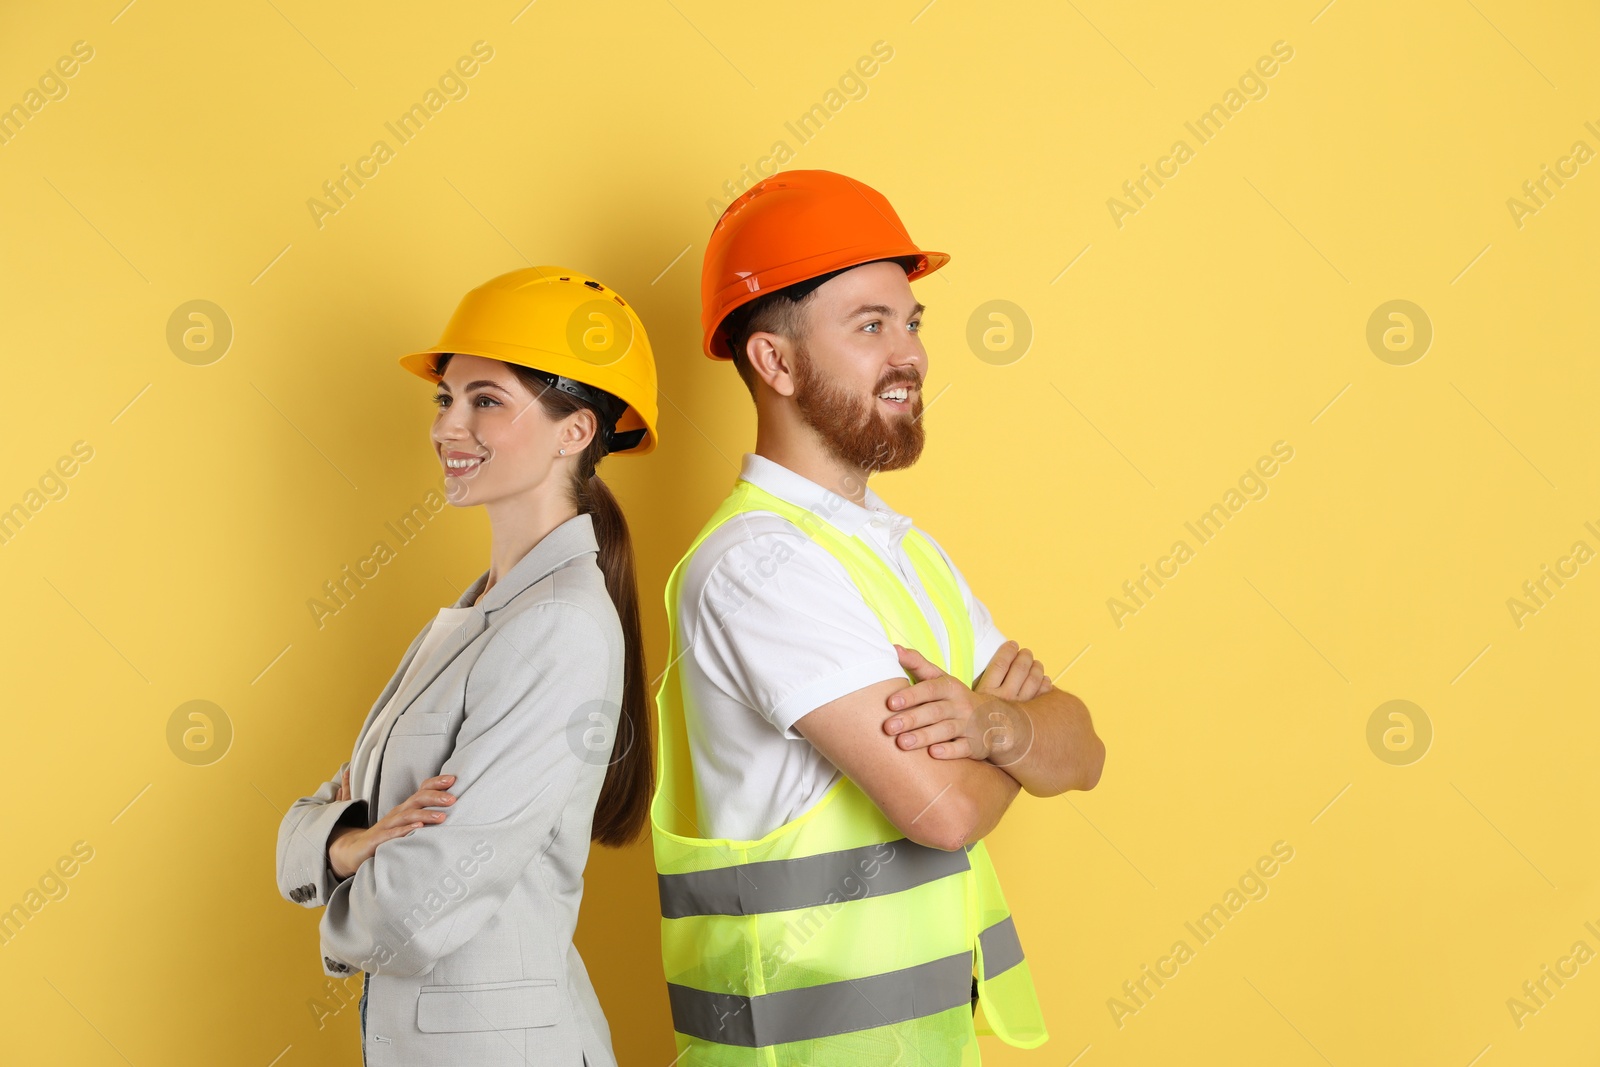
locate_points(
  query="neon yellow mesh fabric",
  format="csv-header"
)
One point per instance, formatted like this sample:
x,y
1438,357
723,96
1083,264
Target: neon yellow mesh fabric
x,y
861,934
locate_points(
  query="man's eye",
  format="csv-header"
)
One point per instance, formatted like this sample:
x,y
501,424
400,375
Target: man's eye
x,y
914,326
871,326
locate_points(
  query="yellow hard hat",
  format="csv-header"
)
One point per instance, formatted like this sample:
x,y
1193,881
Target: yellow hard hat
x,y
584,338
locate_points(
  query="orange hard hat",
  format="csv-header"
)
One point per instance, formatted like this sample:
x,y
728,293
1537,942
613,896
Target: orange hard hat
x,y
793,227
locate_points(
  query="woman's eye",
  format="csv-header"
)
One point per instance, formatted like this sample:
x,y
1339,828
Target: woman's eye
x,y
442,400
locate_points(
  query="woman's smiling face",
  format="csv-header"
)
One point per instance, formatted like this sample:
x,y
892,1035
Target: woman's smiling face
x,y
491,434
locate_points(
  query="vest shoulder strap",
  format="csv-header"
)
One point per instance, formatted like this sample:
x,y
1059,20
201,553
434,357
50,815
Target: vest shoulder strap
x,y
896,610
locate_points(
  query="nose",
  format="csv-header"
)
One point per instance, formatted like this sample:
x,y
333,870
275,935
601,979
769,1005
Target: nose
x,y
909,355
449,425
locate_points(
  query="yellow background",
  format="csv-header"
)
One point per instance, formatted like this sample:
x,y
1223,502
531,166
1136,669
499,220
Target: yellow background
x,y
1228,313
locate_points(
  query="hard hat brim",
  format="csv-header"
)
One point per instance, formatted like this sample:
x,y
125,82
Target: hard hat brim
x,y
421,364
788,274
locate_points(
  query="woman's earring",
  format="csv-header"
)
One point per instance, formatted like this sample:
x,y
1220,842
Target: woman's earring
x,y
562,451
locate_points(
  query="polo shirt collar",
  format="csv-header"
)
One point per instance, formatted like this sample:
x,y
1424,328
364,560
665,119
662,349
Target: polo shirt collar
x,y
844,514
555,550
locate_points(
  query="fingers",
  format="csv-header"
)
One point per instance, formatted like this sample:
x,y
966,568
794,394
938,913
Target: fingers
x,y
426,798
414,809
996,670
432,790
918,713
917,664
923,692
960,748
944,729
401,821
1035,683
1017,673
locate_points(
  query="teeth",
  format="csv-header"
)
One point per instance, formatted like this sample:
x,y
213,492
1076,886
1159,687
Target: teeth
x,y
895,394
458,464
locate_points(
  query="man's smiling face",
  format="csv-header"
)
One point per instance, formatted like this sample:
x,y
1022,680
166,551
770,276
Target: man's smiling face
x,y
860,365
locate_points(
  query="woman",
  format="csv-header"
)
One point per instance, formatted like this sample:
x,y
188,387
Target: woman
x,y
449,851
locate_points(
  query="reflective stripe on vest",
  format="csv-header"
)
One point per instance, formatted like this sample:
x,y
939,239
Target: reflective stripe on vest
x,y
1001,948
802,882
833,940
812,1012
818,1011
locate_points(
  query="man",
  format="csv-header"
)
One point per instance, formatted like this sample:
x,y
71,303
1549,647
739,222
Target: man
x,y
818,823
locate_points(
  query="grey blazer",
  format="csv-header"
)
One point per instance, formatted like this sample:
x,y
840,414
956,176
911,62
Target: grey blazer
x,y
466,925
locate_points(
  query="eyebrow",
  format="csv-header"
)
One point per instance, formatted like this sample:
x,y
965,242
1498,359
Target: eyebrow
x,y
474,385
880,309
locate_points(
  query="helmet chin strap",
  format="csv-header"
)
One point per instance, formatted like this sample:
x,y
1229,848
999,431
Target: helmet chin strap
x,y
615,441
610,408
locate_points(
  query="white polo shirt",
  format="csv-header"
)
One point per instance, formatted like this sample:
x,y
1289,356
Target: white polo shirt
x,y
773,628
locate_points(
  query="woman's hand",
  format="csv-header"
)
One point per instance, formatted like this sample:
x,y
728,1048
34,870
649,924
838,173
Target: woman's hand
x,y
351,846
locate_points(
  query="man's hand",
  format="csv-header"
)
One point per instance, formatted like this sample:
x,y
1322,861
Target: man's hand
x,y
941,803
351,846
1013,674
941,714
344,786
1015,720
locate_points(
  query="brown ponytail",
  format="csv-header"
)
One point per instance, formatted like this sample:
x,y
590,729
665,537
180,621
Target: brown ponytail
x,y
621,815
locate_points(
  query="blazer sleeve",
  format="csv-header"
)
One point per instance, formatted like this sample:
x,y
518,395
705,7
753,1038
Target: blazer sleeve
x,y
304,877
516,764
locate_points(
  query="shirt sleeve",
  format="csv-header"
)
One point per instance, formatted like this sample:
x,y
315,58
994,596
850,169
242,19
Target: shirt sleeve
x,y
774,621
986,636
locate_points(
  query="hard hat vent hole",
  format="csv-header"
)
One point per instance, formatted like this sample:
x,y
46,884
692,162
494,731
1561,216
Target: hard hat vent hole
x,y
566,279
619,299
594,285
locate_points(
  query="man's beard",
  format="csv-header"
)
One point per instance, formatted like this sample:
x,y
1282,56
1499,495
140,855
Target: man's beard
x,y
852,426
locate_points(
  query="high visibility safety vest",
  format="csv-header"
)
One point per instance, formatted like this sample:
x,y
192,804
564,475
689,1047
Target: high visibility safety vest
x,y
833,941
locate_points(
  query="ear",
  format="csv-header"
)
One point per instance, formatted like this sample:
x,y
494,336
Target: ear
x,y
772,358
577,430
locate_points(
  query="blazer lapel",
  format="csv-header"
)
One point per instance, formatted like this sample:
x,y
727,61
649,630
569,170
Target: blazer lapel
x,y
388,691
441,658
559,547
